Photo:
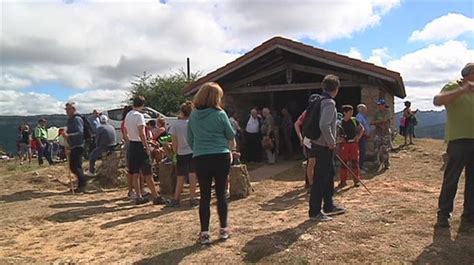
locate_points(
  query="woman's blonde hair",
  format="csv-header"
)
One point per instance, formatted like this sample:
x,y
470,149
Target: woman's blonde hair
x,y
209,95
186,108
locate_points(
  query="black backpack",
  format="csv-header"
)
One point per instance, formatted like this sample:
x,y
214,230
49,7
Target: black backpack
x,y
87,132
311,128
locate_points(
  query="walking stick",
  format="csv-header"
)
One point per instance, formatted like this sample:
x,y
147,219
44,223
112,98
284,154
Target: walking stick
x,y
68,155
352,172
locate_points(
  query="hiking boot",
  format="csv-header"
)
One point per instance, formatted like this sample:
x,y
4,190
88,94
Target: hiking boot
x,y
357,184
141,200
159,201
146,194
224,233
443,221
335,211
194,203
173,203
79,190
131,196
204,238
321,217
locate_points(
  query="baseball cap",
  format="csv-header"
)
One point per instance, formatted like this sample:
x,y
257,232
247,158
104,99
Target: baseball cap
x,y
468,68
103,119
381,101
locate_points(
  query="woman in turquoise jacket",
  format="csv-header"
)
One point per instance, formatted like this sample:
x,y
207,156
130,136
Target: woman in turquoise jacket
x,y
210,134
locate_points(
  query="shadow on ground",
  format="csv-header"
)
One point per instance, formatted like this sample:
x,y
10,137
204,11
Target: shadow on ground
x,y
266,245
174,256
286,201
83,204
445,250
140,217
27,195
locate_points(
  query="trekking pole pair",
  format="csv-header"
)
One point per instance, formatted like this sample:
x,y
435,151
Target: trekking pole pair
x,y
352,172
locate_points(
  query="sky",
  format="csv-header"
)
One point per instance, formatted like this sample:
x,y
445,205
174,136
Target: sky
x,y
90,51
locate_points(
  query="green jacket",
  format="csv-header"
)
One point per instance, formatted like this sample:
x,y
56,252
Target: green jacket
x,y
209,132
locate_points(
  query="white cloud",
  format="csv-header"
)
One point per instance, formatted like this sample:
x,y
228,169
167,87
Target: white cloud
x,y
99,99
11,82
447,27
101,45
354,53
379,56
425,71
13,102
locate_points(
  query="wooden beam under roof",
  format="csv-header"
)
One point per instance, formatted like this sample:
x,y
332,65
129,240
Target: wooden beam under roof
x,y
284,87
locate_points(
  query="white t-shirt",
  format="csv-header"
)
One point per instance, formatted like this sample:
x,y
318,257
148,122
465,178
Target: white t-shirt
x,y
252,125
132,121
180,129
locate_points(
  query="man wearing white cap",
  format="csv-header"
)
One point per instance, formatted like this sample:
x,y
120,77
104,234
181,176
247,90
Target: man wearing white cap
x,y
105,141
458,98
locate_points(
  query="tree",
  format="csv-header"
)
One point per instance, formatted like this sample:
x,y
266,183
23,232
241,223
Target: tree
x,y
163,93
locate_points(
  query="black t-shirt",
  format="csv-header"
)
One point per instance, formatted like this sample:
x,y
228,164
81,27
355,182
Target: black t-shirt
x,y
349,128
25,137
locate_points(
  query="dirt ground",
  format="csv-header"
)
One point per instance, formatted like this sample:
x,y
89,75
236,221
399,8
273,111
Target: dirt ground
x,y
41,223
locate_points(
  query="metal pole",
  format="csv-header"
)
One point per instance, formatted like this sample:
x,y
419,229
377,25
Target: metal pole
x,y
352,172
188,67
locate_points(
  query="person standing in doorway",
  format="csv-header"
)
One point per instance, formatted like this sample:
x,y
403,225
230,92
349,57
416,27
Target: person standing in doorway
x,y
458,98
323,184
267,130
364,121
253,137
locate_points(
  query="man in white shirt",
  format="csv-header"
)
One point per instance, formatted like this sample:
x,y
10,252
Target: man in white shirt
x,y
139,160
253,137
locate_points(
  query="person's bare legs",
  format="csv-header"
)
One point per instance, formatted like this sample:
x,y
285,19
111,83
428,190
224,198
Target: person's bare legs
x,y
151,185
136,184
310,169
179,187
192,185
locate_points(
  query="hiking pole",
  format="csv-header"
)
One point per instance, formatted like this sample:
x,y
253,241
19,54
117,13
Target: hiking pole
x,y
352,172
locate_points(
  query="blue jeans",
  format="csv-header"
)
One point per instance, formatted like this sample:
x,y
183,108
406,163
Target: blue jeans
x,y
96,154
44,150
362,151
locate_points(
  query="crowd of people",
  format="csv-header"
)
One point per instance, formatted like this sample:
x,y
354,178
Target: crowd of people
x,y
205,140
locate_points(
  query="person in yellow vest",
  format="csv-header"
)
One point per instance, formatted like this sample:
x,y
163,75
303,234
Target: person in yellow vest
x,y
41,137
458,98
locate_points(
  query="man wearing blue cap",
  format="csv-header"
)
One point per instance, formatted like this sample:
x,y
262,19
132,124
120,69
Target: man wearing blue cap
x,y
382,133
458,98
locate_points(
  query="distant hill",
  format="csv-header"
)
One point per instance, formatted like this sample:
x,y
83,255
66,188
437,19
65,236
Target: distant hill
x,y
431,124
9,127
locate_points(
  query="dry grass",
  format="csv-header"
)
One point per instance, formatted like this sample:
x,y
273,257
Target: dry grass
x,y
42,224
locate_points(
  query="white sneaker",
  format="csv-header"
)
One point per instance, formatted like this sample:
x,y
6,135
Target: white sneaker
x,y
224,233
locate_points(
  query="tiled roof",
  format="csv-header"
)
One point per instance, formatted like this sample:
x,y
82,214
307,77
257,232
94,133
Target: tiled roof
x,y
341,60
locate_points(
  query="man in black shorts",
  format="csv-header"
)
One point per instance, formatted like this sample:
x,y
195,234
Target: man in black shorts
x,y
139,160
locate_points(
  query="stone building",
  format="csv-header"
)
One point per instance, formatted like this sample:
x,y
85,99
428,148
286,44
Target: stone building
x,y
281,73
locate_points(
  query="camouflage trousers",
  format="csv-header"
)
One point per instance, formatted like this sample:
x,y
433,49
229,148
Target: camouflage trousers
x,y
382,148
